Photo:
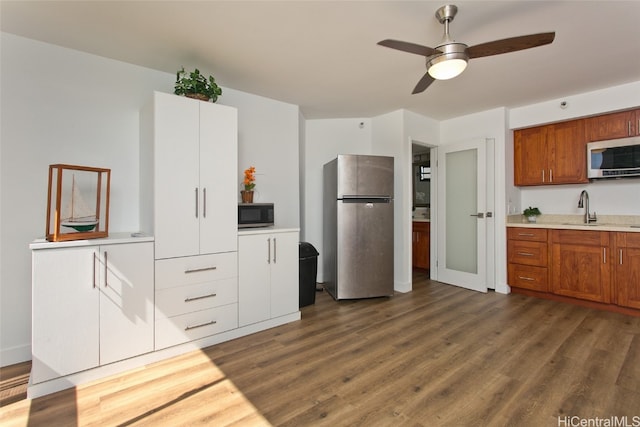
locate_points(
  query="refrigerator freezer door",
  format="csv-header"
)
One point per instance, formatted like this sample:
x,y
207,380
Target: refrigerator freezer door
x,y
364,249
364,176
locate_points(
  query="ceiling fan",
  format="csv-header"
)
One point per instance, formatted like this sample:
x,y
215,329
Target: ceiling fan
x,y
449,58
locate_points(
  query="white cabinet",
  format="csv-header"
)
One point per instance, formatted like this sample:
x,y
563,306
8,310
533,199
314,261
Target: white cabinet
x,y
195,297
267,275
92,305
189,192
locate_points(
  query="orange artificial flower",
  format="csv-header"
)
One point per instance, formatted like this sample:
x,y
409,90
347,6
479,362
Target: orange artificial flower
x,y
249,178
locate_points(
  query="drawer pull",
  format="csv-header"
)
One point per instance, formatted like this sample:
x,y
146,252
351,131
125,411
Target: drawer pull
x,y
526,278
524,254
202,325
200,297
199,270
526,234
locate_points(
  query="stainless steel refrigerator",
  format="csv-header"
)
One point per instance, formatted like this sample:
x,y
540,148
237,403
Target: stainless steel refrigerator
x,y
358,226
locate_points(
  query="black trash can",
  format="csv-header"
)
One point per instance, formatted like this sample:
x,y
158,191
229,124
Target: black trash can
x,y
308,263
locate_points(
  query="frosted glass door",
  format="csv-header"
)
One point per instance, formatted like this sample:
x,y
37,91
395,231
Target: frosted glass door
x,y
461,210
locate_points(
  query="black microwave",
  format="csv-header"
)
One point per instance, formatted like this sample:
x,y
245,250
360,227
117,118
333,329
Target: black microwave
x,y
255,215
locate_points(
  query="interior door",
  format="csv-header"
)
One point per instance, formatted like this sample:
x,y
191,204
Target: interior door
x,y
461,215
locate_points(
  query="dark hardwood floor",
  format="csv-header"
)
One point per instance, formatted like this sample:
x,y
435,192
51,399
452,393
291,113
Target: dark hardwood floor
x,y
438,356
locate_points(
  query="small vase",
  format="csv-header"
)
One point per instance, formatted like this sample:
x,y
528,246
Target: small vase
x,y
531,218
247,196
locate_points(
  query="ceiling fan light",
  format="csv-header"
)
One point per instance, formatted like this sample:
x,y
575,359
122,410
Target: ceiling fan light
x,y
448,64
447,69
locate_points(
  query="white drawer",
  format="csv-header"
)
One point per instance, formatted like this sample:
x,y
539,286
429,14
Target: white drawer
x,y
192,326
195,269
201,296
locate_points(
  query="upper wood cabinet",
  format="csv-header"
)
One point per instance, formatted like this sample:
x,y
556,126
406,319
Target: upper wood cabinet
x,y
551,154
614,126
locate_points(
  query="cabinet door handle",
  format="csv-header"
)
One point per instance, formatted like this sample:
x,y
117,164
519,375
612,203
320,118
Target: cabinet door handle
x,y
604,255
269,250
196,202
542,175
204,202
525,234
106,271
199,270
189,299
188,328
275,250
526,278
620,256
524,253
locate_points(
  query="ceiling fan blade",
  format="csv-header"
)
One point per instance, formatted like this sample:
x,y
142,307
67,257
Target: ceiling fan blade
x,y
424,83
512,44
407,47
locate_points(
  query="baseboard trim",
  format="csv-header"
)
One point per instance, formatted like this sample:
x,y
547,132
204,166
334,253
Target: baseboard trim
x,y
13,355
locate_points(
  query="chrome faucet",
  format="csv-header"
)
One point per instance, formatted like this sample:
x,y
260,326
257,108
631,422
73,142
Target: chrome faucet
x,y
588,218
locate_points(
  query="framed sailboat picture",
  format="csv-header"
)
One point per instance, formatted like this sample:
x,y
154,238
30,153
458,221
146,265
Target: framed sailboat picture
x,y
77,202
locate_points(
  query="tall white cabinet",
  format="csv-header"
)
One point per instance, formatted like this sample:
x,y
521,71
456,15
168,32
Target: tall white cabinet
x,y
92,304
189,194
188,152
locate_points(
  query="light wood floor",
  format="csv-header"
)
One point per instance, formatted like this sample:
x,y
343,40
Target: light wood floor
x,y
438,356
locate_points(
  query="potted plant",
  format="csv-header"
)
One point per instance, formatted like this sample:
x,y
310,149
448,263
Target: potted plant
x,y
195,85
531,213
249,184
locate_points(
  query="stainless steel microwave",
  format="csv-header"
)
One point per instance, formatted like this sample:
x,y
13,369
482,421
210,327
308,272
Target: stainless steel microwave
x,y
255,215
616,158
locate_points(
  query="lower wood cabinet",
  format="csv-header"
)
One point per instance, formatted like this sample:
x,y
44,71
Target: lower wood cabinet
x,y
267,275
627,269
527,258
601,268
580,264
92,305
421,237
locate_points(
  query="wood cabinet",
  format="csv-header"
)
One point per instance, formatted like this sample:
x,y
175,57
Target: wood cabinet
x,y
527,258
613,126
267,275
188,175
92,305
581,264
421,244
550,154
627,269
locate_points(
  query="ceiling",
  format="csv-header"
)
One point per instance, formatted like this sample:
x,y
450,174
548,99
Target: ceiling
x,y
322,55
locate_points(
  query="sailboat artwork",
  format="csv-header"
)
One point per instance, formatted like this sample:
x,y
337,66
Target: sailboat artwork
x,y
78,215
77,203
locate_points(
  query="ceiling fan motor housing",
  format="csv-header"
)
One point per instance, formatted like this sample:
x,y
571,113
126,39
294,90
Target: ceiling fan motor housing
x,y
454,52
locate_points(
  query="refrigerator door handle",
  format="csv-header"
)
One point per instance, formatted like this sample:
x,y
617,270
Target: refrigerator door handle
x,y
365,199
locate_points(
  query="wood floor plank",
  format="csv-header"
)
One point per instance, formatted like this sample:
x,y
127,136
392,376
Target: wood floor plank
x,y
438,356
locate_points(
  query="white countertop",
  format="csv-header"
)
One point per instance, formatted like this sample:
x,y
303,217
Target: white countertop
x,y
114,238
265,230
421,220
626,223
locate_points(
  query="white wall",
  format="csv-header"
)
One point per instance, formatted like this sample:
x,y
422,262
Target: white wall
x,y
63,106
268,139
607,197
324,140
